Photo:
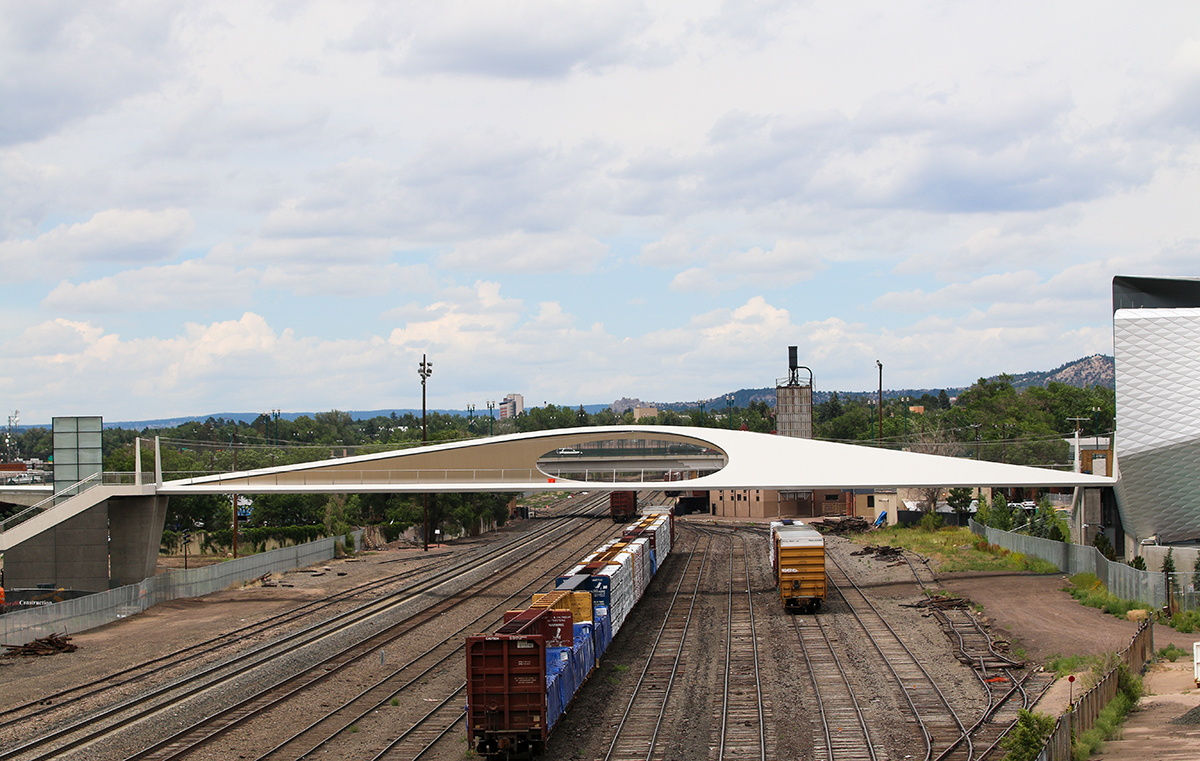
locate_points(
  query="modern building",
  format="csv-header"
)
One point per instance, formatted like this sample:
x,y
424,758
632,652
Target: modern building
x,y
1156,343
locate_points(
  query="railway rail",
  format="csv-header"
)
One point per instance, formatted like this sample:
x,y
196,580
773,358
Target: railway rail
x,y
939,727
635,737
111,720
743,713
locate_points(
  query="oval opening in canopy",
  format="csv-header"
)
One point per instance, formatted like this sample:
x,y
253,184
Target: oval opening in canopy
x,y
632,460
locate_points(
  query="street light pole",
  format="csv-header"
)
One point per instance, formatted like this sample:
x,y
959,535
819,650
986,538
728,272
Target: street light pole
x,y
491,420
880,402
729,409
701,414
905,400
425,369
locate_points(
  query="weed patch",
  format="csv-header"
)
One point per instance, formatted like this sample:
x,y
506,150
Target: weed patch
x,y
958,549
1089,591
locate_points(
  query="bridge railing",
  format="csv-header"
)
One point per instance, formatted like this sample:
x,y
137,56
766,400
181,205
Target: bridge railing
x,y
380,477
74,490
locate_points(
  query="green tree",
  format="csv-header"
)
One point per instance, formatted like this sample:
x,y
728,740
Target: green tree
x,y
1000,515
959,499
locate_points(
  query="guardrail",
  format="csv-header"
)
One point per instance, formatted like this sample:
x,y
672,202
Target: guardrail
x,y
83,613
1084,711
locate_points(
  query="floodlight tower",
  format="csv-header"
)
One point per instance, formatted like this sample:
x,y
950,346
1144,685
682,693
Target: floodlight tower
x,y
425,369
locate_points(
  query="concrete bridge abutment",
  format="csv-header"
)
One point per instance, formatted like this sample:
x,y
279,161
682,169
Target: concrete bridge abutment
x,y
112,543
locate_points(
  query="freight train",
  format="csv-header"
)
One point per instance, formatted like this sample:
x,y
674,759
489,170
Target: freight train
x,y
522,677
798,562
622,505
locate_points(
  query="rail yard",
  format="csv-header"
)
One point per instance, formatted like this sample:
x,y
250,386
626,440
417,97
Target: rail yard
x,y
370,665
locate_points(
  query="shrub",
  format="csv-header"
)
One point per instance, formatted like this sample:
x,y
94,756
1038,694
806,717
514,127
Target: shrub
x,y
1028,736
931,522
1187,621
1102,543
1170,652
1138,562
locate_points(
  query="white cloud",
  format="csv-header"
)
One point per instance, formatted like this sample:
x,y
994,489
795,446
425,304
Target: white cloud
x,y
116,235
60,63
193,284
659,196
519,40
569,251
720,269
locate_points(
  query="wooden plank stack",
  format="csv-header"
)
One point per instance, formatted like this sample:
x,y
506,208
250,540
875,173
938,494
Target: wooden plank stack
x,y
52,645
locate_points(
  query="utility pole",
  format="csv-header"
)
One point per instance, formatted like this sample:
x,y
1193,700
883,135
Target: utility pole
x,y
976,426
880,402
425,369
233,446
1078,454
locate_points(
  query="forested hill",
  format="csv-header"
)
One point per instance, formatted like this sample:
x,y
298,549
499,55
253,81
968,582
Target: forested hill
x,y
1096,370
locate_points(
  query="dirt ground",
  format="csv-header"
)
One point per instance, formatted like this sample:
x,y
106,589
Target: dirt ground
x,y
1046,622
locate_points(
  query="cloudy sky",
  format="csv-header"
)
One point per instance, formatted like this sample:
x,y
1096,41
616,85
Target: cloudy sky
x,y
228,206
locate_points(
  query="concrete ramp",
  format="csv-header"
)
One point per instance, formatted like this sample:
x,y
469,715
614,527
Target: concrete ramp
x,y
66,509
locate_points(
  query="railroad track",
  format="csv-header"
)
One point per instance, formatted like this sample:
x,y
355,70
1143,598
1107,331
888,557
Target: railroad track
x,y
51,706
112,720
843,734
1007,691
426,671
635,737
44,707
939,727
744,716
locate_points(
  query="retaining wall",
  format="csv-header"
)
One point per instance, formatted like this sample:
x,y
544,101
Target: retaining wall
x,y
81,614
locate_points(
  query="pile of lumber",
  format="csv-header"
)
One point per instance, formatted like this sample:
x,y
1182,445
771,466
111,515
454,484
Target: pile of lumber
x,y
850,524
52,645
941,602
882,552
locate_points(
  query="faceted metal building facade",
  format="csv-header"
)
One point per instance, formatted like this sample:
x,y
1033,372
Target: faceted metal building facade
x,y
1156,343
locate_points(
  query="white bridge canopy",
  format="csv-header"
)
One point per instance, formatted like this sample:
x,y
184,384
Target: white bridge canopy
x,y
629,457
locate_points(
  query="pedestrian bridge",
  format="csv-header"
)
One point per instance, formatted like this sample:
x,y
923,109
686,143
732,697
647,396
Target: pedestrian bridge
x,y
594,458
629,457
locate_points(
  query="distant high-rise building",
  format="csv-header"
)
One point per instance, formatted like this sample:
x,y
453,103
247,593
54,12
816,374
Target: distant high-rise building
x,y
512,406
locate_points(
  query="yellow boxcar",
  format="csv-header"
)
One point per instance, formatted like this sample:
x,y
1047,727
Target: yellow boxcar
x,y
798,562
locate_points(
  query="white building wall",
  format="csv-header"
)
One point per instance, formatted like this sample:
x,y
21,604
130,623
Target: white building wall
x,y
1158,427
